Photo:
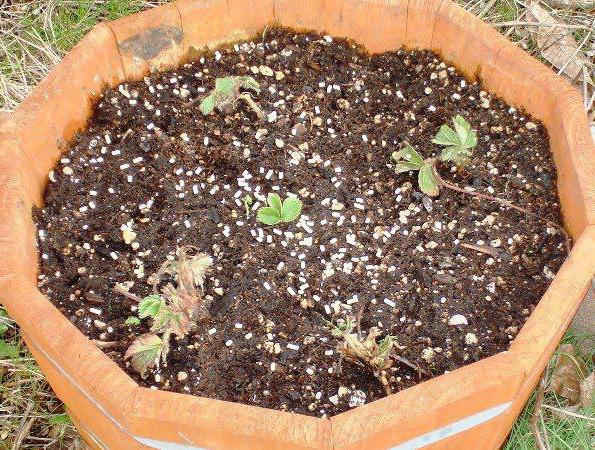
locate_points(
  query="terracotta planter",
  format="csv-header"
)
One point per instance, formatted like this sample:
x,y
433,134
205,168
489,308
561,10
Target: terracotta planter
x,y
472,407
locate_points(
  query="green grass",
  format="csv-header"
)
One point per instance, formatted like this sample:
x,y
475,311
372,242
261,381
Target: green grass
x,y
562,432
507,10
30,414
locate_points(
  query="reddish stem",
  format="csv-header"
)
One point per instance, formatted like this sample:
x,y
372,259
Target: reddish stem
x,y
506,203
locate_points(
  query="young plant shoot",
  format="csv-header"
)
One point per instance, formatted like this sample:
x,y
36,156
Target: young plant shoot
x,y
228,91
366,351
248,201
278,211
458,145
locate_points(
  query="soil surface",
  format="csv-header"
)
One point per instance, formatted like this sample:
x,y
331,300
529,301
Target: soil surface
x,y
368,245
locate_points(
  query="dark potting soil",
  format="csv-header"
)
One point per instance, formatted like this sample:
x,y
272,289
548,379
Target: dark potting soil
x,y
368,245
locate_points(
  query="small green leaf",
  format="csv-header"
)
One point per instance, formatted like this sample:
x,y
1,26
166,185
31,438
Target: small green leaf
x,y
292,208
150,306
132,321
247,82
404,166
144,352
60,419
207,105
385,346
248,201
427,181
8,350
408,155
268,215
341,329
274,201
467,136
225,85
446,136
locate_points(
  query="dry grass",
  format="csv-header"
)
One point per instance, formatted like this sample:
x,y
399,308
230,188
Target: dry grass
x,y
34,34
573,35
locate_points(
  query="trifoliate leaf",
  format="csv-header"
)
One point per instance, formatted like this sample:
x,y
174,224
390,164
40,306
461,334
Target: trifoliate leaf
x,y
132,321
458,142
207,105
150,306
274,201
427,181
144,352
409,156
292,208
268,216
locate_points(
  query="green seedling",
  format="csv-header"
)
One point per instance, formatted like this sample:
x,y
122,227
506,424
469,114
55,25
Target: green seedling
x,y
458,142
228,91
278,211
366,351
458,145
248,201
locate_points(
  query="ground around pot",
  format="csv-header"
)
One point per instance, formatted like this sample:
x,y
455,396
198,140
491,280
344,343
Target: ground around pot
x,y
450,279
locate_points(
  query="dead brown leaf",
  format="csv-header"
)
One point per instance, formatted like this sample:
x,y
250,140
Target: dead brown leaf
x,y
568,374
585,5
556,43
145,352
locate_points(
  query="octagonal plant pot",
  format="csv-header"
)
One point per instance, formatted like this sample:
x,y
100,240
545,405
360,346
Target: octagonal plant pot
x,y
472,407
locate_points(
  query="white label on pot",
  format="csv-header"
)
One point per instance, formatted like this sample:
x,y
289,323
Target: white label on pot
x,y
453,428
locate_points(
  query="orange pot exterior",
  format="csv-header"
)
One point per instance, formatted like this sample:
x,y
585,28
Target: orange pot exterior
x,y
472,407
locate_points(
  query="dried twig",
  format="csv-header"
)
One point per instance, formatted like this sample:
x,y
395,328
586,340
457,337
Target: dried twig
x,y
121,290
24,428
566,412
487,249
537,416
411,365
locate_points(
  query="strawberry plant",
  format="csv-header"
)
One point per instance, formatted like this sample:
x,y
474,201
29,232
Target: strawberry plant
x,y
228,91
279,211
174,311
